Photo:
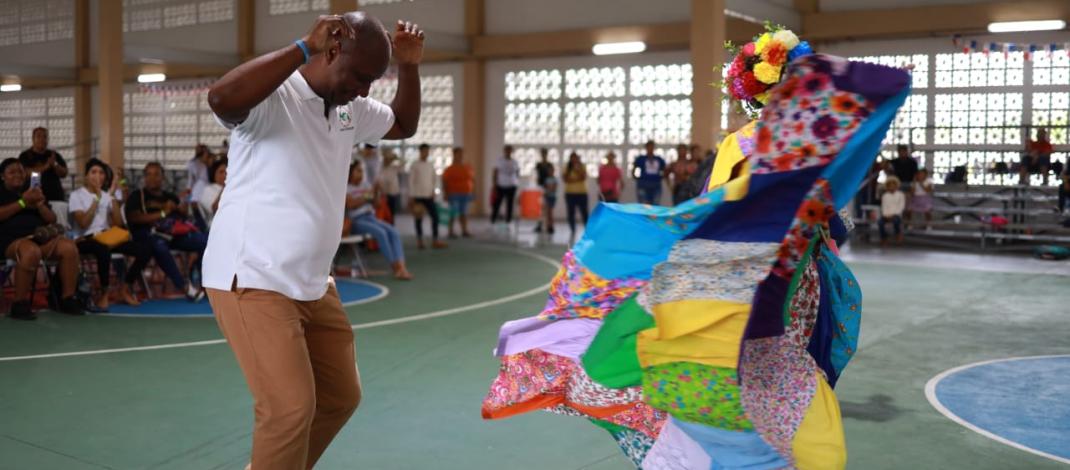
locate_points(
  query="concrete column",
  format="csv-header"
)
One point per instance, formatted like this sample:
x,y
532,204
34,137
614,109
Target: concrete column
x,y
707,54
474,106
110,81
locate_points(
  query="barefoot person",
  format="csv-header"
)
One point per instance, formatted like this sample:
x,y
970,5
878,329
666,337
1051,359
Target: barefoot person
x,y
295,115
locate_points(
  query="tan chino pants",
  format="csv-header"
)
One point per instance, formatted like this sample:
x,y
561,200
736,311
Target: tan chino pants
x,y
299,361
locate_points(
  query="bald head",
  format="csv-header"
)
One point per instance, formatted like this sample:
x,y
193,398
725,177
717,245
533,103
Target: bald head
x,y
372,38
348,67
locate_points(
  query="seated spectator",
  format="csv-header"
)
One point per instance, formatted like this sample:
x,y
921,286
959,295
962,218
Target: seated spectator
x,y
24,210
208,200
197,171
359,197
1036,159
94,211
922,202
156,217
893,203
459,182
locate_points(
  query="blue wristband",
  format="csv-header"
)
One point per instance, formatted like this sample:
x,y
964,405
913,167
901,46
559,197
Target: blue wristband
x,y
304,48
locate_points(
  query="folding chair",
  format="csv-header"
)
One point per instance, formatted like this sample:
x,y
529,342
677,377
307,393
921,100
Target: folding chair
x,y
356,264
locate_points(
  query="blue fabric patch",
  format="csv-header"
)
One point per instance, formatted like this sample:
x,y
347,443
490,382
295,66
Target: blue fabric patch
x,y
627,240
845,306
736,450
766,213
849,167
820,346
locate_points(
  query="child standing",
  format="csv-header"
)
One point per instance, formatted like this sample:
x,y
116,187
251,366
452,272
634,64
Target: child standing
x,y
893,202
922,202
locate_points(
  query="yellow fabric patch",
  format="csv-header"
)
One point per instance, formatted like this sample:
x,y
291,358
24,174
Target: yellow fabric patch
x,y
819,443
701,331
728,155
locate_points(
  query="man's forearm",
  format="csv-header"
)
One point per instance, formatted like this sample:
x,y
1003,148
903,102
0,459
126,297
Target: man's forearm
x,y
240,90
406,104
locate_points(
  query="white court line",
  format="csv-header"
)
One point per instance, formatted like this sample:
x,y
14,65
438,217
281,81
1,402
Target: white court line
x,y
383,292
930,394
358,326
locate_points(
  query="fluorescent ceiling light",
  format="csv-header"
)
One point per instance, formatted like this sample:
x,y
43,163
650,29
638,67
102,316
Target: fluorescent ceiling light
x,y
1018,26
608,48
151,77
11,87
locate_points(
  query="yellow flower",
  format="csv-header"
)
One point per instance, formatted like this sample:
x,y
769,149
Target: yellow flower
x,y
787,38
768,74
763,97
761,43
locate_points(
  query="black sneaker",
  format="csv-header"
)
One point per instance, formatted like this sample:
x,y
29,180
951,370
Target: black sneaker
x,y
21,311
71,306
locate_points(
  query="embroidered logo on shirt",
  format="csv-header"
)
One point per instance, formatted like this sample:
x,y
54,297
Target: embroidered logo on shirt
x,y
345,119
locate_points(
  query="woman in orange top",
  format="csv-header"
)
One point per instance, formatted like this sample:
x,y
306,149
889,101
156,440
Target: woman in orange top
x,y
459,182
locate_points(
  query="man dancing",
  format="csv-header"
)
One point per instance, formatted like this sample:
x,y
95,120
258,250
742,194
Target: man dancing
x,y
295,115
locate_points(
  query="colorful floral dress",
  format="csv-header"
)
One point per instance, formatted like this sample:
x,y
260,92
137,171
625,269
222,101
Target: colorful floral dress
x,y
710,334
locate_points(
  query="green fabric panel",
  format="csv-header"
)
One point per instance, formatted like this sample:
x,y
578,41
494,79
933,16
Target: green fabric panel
x,y
612,428
697,393
611,359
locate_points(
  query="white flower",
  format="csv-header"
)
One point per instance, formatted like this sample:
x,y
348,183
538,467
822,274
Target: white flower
x,y
787,38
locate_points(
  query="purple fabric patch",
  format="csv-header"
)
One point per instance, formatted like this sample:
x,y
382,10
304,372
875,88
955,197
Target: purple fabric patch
x,y
568,337
875,82
767,311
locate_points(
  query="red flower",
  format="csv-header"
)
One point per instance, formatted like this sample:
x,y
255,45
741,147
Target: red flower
x,y
737,66
775,54
764,140
844,103
814,212
748,49
785,162
751,85
807,150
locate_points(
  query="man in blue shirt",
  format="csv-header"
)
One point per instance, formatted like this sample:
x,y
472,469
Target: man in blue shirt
x,y
648,171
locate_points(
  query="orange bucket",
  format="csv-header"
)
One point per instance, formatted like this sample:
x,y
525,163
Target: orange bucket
x,y
531,204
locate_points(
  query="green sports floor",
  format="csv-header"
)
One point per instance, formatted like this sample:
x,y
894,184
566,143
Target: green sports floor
x,y
116,404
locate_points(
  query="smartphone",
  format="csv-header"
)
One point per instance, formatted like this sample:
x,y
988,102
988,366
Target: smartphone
x,y
35,180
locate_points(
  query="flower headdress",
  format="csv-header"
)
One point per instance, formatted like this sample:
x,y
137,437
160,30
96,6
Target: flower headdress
x,y
759,65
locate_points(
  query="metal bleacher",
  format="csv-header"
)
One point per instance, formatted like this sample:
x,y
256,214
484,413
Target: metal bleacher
x,y
962,214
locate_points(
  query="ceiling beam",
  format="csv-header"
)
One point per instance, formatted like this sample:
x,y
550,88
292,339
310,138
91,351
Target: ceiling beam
x,y
807,7
88,75
580,41
927,20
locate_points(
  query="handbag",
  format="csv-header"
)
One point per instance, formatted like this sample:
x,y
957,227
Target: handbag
x,y
46,233
112,237
170,226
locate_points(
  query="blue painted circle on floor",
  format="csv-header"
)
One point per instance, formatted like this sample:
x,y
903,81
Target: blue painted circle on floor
x,y
350,290
1026,401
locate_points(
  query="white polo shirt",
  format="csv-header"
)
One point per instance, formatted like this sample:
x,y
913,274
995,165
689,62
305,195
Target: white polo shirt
x,y
280,220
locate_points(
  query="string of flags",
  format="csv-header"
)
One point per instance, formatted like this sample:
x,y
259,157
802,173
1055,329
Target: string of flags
x,y
1028,50
180,89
